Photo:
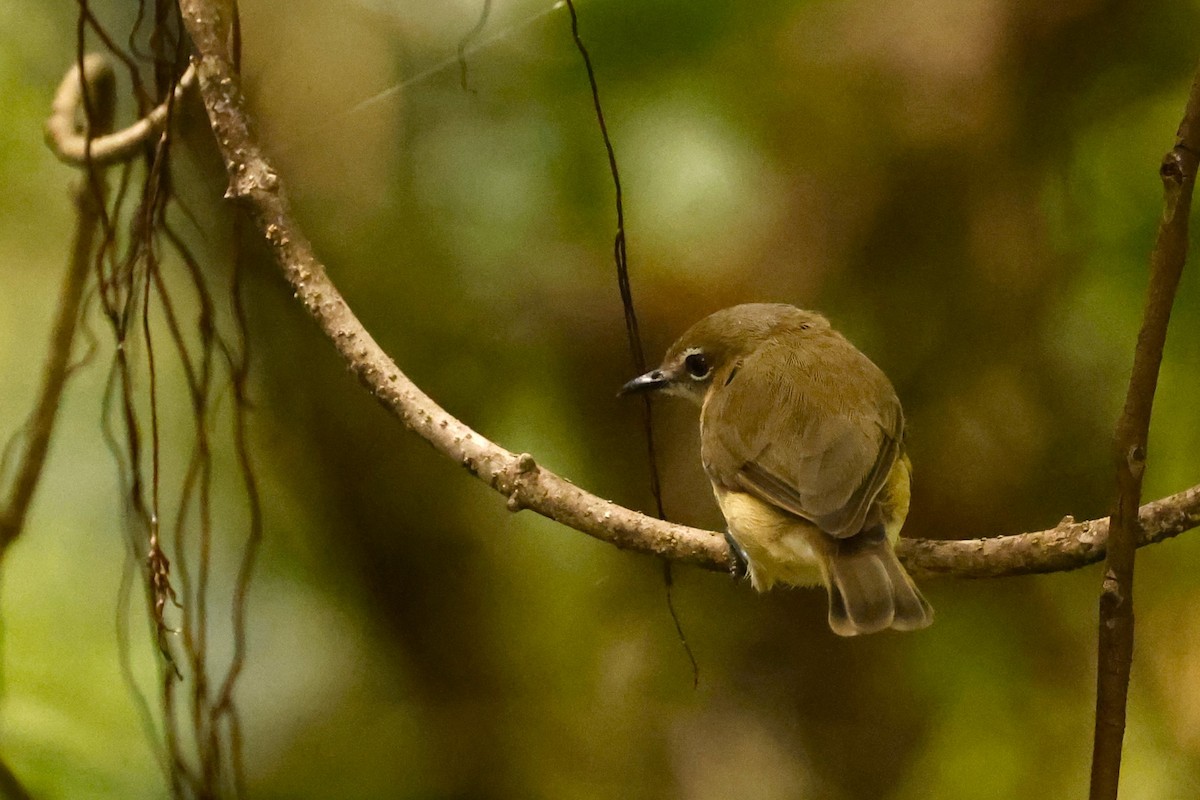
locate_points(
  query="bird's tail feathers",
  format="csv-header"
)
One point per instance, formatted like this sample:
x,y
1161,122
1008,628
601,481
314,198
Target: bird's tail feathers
x,y
869,590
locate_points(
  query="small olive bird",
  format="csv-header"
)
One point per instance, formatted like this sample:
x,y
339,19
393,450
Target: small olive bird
x,y
802,437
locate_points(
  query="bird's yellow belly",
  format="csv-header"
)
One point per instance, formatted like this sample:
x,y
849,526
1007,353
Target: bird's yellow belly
x,y
780,548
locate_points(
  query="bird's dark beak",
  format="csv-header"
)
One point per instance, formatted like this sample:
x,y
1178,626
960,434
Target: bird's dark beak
x,y
655,379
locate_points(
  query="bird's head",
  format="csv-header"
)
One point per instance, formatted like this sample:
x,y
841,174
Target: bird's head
x,y
712,349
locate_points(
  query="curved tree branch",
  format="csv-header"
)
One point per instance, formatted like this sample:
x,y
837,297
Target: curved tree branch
x,y
69,141
254,181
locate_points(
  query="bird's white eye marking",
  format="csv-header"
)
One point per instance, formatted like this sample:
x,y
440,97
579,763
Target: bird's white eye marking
x,y
697,366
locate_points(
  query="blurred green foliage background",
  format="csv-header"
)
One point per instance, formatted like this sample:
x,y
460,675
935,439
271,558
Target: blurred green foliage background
x,y
968,188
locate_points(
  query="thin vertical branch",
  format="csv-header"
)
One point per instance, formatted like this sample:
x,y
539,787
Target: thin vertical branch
x,y
468,39
98,86
621,258
239,365
1115,652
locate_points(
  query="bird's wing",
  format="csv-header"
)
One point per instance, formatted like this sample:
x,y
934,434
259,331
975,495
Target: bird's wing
x,y
794,437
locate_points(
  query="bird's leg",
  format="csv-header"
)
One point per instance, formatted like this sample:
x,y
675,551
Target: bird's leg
x,y
741,561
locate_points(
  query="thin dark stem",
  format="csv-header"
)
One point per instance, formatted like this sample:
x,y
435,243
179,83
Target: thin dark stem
x,y
468,39
239,365
621,258
1115,651
135,77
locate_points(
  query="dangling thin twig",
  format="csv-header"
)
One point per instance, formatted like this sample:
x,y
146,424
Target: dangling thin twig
x,y
621,257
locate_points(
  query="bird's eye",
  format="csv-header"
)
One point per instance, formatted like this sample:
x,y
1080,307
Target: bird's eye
x,y
697,366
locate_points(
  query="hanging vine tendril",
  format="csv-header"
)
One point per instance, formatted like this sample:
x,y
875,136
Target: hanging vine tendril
x,y
147,283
